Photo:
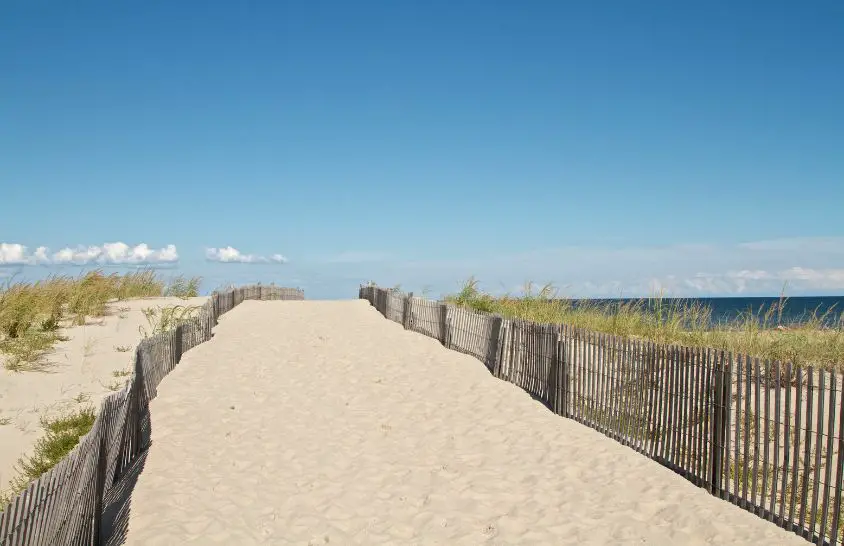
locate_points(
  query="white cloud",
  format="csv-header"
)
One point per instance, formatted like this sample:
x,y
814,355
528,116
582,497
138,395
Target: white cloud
x,y
117,253
12,254
232,255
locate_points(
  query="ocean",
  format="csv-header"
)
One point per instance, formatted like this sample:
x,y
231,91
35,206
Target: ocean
x,y
734,309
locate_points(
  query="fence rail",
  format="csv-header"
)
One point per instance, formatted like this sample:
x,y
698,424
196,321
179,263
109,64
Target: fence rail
x,y
65,505
765,436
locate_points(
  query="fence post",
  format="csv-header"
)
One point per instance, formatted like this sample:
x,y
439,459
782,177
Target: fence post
x,y
563,371
549,346
405,319
718,431
99,484
492,354
444,337
178,341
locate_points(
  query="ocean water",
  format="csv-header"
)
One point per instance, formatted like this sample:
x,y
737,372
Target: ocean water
x,y
731,310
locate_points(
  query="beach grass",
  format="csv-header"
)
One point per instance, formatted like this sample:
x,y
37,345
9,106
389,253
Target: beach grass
x,y
758,333
61,435
32,313
163,319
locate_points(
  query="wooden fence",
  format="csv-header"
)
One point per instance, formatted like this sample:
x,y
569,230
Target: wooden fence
x,y
65,505
765,436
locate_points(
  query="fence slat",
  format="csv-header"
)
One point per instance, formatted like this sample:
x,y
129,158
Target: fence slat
x,y
777,422
807,449
756,440
839,474
663,403
652,401
702,410
726,400
795,463
748,390
830,437
818,447
685,455
786,446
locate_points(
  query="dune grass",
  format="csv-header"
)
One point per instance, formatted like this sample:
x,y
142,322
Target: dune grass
x,y
758,333
181,287
61,435
31,314
163,319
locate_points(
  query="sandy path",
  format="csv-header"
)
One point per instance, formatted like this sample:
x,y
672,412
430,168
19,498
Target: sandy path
x,y
91,364
322,422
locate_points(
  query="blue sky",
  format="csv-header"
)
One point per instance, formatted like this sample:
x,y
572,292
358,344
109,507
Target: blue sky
x,y
610,147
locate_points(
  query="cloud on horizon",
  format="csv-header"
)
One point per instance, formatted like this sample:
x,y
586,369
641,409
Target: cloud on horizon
x,y
117,253
230,255
355,257
804,265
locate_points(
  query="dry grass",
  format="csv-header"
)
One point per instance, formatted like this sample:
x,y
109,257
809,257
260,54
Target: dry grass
x,y
683,322
31,314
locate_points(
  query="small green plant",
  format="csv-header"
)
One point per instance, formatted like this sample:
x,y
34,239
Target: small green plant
x,y
122,348
114,386
163,319
121,373
5,421
62,434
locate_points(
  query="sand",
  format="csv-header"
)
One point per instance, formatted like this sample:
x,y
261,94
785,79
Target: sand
x,y
79,372
324,423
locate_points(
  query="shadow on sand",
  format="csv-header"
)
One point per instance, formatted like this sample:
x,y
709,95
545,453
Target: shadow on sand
x,y
115,522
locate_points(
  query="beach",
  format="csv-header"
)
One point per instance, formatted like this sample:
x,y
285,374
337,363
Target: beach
x,y
321,422
92,363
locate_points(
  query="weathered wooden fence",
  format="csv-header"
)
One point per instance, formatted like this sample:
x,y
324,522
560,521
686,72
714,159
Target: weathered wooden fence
x,y
765,436
65,505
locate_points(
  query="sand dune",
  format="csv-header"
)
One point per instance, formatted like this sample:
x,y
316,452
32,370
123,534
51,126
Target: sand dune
x,y
79,372
323,423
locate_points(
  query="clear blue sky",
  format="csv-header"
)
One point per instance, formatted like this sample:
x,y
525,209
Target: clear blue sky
x,y
607,146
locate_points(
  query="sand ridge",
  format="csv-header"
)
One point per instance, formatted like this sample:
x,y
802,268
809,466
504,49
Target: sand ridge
x,y
323,423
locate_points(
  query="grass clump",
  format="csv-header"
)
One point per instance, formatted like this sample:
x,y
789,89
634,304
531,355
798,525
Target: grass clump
x,y
31,314
62,434
163,319
182,287
759,333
